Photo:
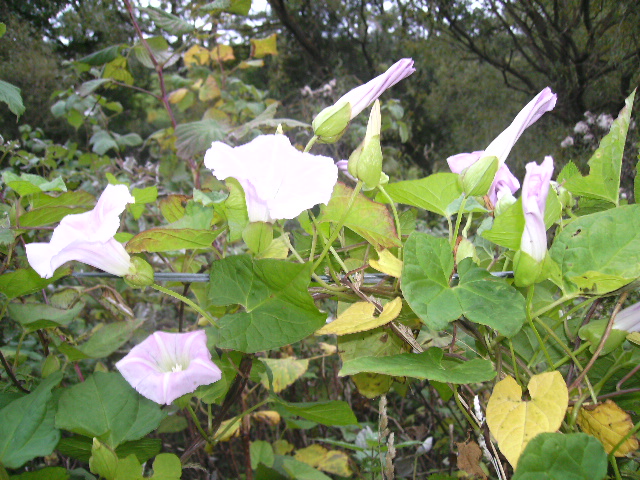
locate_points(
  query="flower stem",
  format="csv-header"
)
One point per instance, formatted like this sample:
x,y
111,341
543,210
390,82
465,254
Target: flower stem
x,y
458,221
184,299
396,217
339,226
311,143
196,422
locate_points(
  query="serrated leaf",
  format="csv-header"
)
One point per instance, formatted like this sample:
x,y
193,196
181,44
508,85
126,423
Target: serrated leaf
x,y
107,407
603,181
284,371
103,56
10,94
514,422
433,193
196,137
27,426
160,50
609,424
367,218
600,252
555,456
239,7
168,239
359,317
278,309
426,365
168,22
480,297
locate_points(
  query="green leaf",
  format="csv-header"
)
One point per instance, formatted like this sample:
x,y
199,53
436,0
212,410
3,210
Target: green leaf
x,y
167,466
10,94
47,473
25,281
90,86
33,316
261,452
300,470
168,239
433,193
573,456
331,413
47,215
128,140
79,447
196,137
103,56
428,365
170,23
481,298
234,209
600,252
27,426
105,406
26,183
67,199
103,342
369,219
103,461
636,184
278,309
102,141
160,50
603,181
239,7
3,29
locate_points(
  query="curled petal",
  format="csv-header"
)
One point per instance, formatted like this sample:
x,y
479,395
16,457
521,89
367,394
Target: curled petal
x,y
279,181
535,189
504,183
87,237
361,97
167,366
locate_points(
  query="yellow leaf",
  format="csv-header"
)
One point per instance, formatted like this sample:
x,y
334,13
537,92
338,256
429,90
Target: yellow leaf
x,y
222,53
282,447
608,423
634,337
359,318
196,86
196,55
330,461
268,416
251,64
177,95
209,90
513,422
285,371
372,385
264,46
233,425
387,263
118,70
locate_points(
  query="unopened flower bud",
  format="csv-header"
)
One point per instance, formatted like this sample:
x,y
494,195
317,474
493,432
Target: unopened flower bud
x,y
526,269
330,123
366,162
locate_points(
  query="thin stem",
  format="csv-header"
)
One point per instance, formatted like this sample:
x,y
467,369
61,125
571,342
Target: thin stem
x,y
553,305
11,375
458,221
339,225
535,330
310,144
196,422
192,304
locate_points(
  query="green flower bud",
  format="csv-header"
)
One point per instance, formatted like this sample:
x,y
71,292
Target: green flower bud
x,y
330,123
477,179
365,162
140,274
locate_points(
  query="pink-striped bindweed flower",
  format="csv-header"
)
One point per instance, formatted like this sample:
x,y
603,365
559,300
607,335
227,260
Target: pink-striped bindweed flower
x,y
279,181
87,237
535,189
331,122
501,146
166,366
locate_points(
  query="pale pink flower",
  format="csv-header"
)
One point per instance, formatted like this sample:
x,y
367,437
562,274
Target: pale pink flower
x,y
166,366
501,146
535,189
279,181
87,237
628,319
361,97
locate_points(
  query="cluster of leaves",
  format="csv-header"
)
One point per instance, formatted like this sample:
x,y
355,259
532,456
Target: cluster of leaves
x,y
439,315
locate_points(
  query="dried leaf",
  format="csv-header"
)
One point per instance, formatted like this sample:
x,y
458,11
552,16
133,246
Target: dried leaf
x,y
359,318
608,423
387,263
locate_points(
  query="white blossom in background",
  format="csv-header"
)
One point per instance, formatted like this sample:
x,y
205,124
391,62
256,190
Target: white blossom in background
x,y
567,142
604,121
581,127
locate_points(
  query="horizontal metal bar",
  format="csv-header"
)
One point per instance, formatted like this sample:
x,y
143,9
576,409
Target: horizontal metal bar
x,y
204,277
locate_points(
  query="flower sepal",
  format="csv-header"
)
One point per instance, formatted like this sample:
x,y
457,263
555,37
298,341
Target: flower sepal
x,y
140,274
526,269
593,332
476,179
330,124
